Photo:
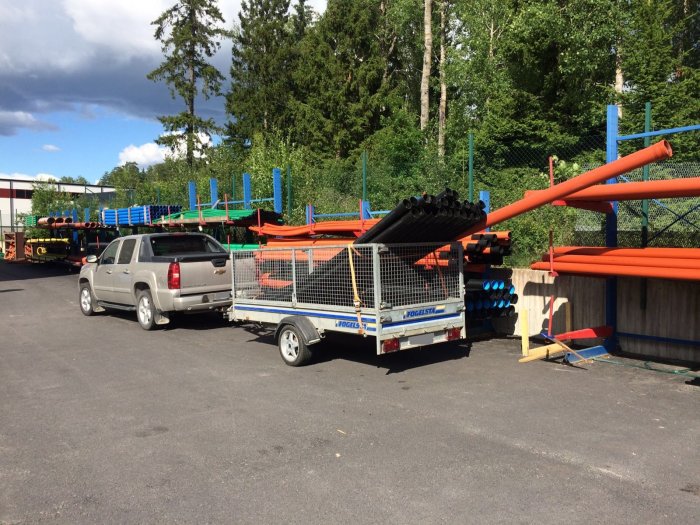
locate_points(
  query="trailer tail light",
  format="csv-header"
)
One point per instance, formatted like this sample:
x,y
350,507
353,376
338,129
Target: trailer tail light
x,y
174,276
391,345
454,333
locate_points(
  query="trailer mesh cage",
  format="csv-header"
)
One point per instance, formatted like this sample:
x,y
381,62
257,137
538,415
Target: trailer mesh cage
x,y
373,276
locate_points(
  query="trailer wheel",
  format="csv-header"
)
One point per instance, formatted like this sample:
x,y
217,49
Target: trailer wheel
x,y
293,349
146,310
86,300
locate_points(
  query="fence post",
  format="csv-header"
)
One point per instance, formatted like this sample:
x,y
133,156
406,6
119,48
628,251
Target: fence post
x,y
645,176
611,155
289,191
246,191
277,189
192,192
364,175
471,166
485,197
213,191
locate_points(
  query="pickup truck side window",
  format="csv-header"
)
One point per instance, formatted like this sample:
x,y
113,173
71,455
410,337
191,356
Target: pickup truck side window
x,y
127,251
110,253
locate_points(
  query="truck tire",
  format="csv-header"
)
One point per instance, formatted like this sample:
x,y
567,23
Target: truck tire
x,y
146,310
86,300
293,349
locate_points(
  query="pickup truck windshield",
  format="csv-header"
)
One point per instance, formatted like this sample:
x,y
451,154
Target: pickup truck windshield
x,y
180,245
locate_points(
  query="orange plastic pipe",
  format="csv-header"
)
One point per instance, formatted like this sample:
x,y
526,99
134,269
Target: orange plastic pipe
x,y
628,191
659,151
609,270
296,242
660,262
675,253
315,228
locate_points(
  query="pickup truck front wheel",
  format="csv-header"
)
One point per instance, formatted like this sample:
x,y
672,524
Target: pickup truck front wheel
x,y
146,310
86,300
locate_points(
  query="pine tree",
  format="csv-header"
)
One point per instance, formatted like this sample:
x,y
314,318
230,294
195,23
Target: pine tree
x,y
189,35
260,70
340,79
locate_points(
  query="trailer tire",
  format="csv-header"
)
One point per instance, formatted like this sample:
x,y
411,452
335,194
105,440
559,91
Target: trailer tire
x,y
293,349
145,310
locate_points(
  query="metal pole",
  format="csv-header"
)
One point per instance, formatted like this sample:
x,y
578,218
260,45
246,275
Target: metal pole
x,y
645,176
277,190
364,175
289,191
611,155
645,205
471,166
12,207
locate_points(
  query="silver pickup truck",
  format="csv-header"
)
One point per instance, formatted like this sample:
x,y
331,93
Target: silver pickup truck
x,y
157,274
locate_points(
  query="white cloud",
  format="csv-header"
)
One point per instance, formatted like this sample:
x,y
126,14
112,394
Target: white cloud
x,y
50,148
144,155
46,177
13,121
124,26
151,153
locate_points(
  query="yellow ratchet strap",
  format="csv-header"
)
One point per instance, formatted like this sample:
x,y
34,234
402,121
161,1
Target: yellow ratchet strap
x,y
356,298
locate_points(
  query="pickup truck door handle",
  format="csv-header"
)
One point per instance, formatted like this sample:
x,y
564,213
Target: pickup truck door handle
x,y
109,272
126,271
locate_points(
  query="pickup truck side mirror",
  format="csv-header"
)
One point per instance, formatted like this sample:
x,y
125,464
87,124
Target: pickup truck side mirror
x,y
92,258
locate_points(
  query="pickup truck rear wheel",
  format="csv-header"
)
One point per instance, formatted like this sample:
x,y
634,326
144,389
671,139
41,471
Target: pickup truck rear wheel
x,y
146,310
293,349
86,300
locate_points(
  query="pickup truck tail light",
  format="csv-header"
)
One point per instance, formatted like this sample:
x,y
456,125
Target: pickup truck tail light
x,y
174,276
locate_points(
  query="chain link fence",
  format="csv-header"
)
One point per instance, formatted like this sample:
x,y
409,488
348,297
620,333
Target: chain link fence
x,y
670,222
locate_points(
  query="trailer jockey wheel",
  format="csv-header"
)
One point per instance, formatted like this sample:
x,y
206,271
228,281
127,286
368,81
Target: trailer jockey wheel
x,y
292,347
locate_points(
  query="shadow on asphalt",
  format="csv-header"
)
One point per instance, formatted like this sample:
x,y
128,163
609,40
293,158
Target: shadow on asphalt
x,y
334,346
362,350
22,271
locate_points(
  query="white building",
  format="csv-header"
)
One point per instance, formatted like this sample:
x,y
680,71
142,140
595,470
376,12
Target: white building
x,y
16,198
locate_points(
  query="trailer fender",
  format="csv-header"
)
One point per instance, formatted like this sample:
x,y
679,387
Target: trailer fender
x,y
306,328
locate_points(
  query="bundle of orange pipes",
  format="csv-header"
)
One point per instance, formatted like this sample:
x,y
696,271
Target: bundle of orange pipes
x,y
661,263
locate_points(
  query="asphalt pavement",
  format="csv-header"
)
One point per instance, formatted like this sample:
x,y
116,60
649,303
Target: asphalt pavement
x,y
202,422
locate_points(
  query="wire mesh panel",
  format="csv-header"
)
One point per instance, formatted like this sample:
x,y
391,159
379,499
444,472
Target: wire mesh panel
x,y
671,222
419,274
349,276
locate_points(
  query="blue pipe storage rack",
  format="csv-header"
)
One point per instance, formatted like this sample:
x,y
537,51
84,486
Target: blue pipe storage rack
x,y
136,215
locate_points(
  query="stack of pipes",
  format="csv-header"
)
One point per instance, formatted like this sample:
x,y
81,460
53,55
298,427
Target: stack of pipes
x,y
487,247
56,223
489,298
425,219
662,263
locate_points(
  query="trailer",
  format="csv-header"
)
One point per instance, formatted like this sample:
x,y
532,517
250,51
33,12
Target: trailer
x,y
404,296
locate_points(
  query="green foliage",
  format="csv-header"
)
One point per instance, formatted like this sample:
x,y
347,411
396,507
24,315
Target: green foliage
x,y
261,68
189,36
529,78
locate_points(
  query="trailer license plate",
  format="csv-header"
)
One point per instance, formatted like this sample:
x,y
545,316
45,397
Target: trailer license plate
x,y
420,340
222,296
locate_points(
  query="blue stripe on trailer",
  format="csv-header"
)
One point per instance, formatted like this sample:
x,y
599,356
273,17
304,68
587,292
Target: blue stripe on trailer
x,y
424,319
303,312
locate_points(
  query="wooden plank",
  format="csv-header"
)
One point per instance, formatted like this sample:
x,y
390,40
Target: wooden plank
x,y
543,352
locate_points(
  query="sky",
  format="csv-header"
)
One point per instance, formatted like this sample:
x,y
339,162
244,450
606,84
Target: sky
x,y
74,97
